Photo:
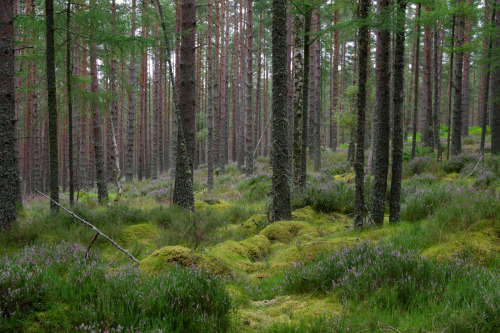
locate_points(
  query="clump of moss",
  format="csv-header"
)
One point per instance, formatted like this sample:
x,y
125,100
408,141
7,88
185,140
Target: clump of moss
x,y
56,319
345,177
304,214
217,205
478,246
169,256
283,231
253,224
140,232
257,246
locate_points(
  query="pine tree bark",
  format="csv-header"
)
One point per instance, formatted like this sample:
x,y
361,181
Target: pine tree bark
x,y
102,187
381,119
415,85
9,168
183,188
398,100
495,93
437,105
280,159
359,165
129,155
426,115
249,91
52,105
210,118
316,99
466,78
334,84
298,59
456,137
69,97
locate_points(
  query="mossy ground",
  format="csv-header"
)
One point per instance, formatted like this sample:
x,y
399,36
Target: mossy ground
x,y
233,238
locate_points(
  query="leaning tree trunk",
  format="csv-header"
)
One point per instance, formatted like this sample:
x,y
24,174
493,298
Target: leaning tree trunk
x,y
359,165
280,159
398,100
9,168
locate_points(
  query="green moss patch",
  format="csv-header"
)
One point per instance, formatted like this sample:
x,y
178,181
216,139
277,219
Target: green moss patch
x,y
283,231
253,224
217,205
168,256
140,232
257,246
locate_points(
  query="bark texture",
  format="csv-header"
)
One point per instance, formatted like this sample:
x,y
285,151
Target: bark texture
x,y
280,159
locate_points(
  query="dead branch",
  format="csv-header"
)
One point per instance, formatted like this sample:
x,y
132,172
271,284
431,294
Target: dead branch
x,y
91,226
90,245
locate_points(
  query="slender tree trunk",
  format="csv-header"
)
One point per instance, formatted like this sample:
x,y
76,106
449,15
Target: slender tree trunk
x,y
258,93
450,92
466,78
280,159
436,106
495,92
69,97
249,85
183,188
381,121
156,107
102,188
305,99
427,87
316,99
298,59
415,86
9,168
210,120
52,105
129,158
359,165
334,85
241,130
456,137
398,100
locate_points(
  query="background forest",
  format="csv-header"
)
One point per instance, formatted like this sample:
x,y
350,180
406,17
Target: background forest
x,y
268,165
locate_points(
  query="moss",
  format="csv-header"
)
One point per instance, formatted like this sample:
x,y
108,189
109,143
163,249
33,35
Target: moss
x,y
257,246
451,176
167,257
234,255
258,316
283,231
377,233
345,177
217,205
237,294
476,245
304,214
57,319
253,224
140,232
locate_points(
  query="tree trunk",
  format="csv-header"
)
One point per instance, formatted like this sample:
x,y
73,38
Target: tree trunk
x,y
450,92
415,86
398,100
129,158
69,97
359,166
381,118
298,59
427,87
52,105
495,92
183,188
437,105
456,137
102,188
9,168
334,84
466,78
210,119
280,159
249,86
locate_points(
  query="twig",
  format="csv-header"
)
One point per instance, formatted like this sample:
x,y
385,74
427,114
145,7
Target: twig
x,y
90,245
93,227
480,158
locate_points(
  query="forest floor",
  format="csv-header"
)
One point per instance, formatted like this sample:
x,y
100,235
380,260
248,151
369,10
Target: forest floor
x,y
225,267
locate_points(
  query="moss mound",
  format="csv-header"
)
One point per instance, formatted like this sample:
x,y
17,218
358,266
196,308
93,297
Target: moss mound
x,y
476,245
253,224
283,231
168,256
217,205
257,246
140,232
304,214
345,177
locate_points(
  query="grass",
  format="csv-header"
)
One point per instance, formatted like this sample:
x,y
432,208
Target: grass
x,y
225,267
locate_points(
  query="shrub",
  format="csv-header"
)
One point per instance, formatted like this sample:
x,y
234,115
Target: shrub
x,y
327,196
418,201
180,300
419,164
457,163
